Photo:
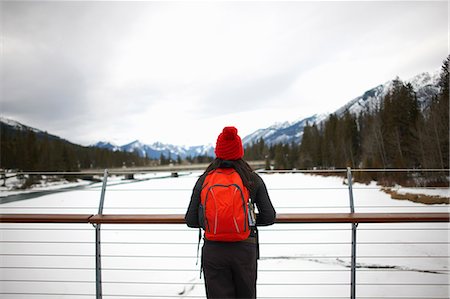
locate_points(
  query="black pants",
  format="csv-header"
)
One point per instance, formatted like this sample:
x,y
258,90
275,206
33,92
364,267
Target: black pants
x,y
230,269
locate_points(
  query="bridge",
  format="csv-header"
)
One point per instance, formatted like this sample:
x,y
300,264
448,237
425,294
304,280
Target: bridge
x,y
99,224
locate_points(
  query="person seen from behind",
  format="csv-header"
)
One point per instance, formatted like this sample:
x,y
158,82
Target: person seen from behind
x,y
222,204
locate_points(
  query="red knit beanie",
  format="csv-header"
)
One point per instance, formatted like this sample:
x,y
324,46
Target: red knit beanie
x,y
229,145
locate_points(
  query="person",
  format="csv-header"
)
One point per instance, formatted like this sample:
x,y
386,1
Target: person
x,y
230,268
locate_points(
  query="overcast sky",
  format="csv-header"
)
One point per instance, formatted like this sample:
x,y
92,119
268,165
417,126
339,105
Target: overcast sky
x,y
178,72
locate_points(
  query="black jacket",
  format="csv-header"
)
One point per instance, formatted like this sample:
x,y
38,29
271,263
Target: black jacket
x,y
258,194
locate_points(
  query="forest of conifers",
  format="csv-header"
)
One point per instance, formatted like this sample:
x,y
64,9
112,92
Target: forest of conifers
x,y
397,134
28,150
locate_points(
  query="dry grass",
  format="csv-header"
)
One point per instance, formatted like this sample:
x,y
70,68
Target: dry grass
x,y
420,198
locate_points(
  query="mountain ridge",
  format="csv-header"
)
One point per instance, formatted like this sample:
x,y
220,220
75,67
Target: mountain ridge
x,y
10,124
425,85
156,149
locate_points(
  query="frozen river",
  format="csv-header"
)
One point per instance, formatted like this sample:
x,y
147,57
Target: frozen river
x,y
159,261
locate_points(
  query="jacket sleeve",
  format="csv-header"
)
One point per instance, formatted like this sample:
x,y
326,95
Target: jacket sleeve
x,y
267,214
191,216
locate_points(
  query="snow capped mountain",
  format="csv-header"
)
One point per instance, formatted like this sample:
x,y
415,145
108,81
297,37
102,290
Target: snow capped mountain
x,y
17,125
9,124
155,150
425,79
152,151
264,133
286,132
107,145
368,101
140,148
425,85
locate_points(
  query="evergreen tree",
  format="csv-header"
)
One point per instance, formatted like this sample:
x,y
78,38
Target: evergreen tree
x,y
280,157
437,122
310,147
162,159
329,142
31,151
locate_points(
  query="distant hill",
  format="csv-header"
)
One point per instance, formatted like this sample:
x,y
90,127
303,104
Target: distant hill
x,y
155,150
11,126
282,132
424,84
30,149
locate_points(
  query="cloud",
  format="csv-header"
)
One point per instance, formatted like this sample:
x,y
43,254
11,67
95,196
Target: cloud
x,y
246,94
130,70
43,86
53,61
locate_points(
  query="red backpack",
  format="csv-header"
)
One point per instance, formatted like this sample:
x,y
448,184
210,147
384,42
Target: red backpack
x,y
224,207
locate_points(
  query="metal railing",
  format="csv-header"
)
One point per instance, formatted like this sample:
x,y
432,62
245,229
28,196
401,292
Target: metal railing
x,y
98,219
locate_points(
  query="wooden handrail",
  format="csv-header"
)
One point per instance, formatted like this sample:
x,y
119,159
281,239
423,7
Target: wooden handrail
x,y
45,218
362,217
136,219
179,218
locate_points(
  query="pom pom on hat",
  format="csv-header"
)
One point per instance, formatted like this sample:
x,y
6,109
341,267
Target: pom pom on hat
x,y
229,145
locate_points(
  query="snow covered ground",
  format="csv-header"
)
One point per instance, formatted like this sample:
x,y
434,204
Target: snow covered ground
x,y
159,261
12,187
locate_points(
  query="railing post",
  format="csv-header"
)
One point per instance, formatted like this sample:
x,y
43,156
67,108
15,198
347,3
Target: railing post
x,y
98,261
354,226
3,177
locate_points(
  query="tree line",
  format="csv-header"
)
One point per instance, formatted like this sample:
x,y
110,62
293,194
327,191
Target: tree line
x,y
396,134
28,150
